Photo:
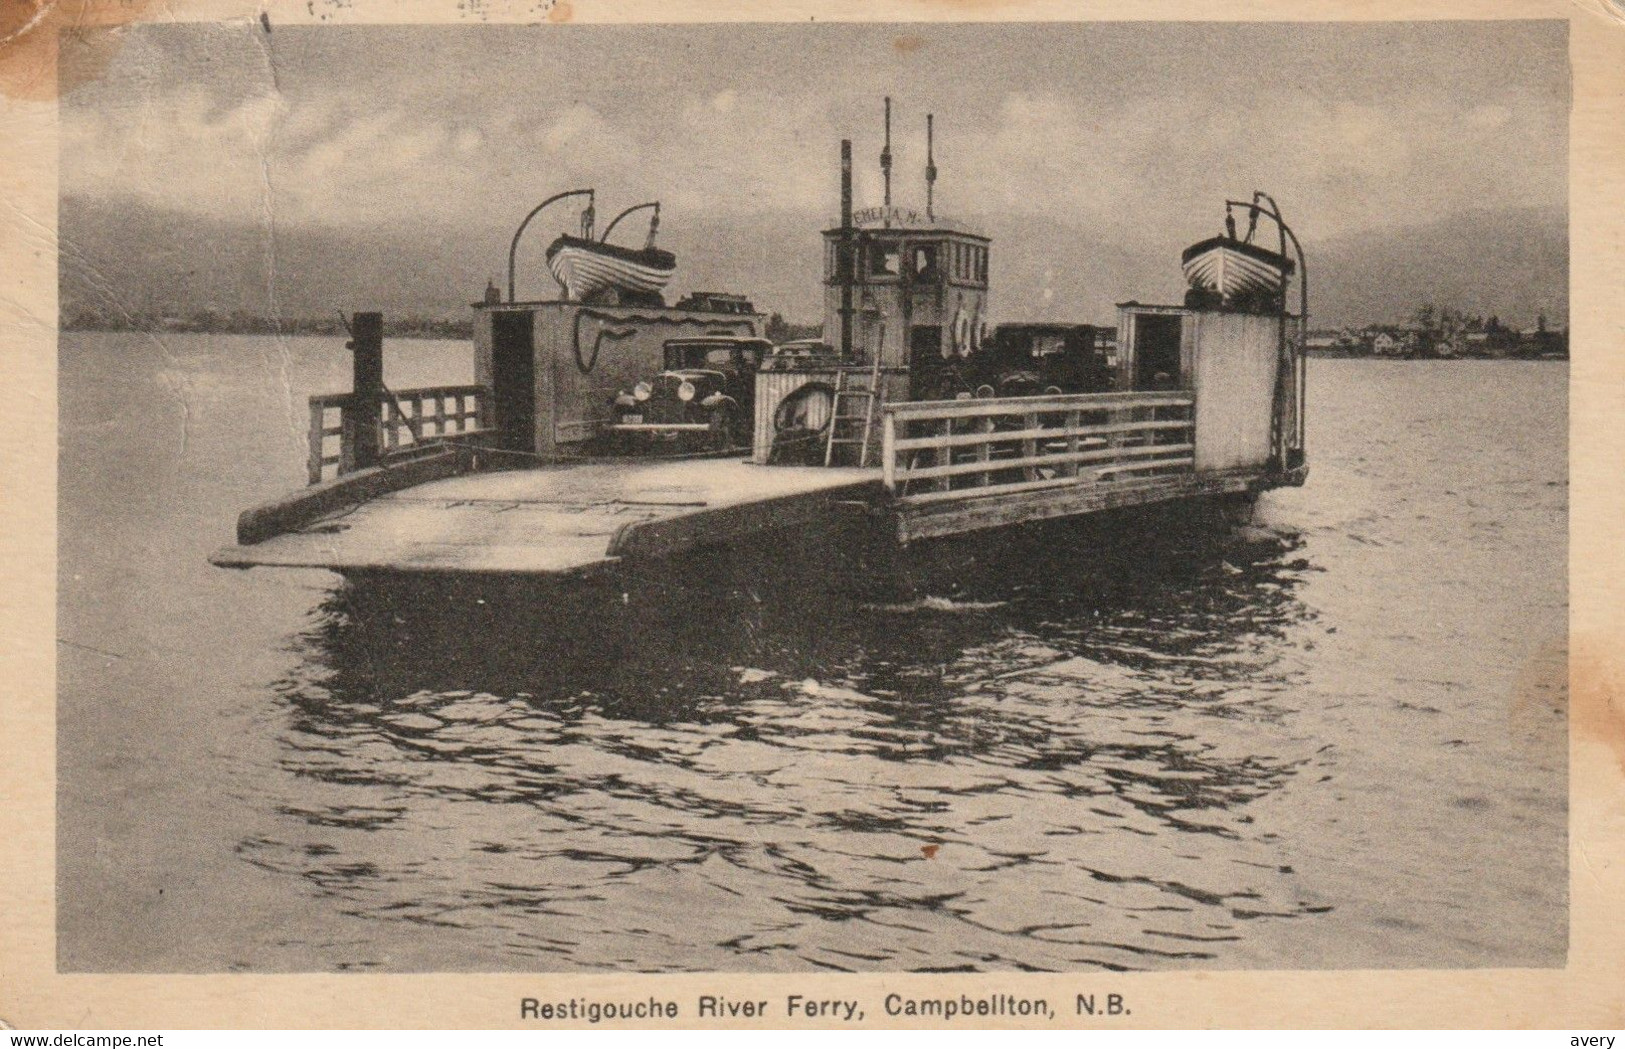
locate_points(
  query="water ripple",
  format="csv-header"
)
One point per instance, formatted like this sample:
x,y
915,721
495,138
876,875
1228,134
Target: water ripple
x,y
856,788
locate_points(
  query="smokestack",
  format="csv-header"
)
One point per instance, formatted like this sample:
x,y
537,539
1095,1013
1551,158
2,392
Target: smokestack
x,y
845,262
930,171
885,160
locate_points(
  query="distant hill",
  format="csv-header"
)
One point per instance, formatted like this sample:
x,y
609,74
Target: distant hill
x,y
123,255
1512,263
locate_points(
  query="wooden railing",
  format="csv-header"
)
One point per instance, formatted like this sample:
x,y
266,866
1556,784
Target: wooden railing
x,y
941,450
408,421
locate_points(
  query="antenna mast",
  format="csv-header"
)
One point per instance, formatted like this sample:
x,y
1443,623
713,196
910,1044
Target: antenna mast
x,y
885,160
930,171
844,264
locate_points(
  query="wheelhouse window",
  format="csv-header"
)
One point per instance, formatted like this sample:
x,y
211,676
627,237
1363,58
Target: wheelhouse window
x,y
923,261
885,260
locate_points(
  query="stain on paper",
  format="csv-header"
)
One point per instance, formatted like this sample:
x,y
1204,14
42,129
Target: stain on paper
x,y
1597,695
32,32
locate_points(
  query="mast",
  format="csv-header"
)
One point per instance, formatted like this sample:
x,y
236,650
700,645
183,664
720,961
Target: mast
x,y
845,267
930,171
885,161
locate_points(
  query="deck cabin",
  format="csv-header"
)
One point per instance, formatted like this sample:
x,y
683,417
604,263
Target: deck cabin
x,y
1232,364
908,294
552,369
915,288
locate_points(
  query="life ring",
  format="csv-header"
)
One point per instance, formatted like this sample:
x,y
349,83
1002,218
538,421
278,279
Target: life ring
x,y
807,407
800,425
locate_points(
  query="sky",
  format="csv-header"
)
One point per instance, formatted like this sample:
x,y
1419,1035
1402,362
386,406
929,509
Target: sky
x,y
1125,135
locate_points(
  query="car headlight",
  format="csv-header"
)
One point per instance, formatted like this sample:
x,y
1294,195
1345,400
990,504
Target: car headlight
x,y
685,392
642,391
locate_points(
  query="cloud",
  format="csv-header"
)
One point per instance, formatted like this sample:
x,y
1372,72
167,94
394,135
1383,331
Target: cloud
x,y
731,133
175,149
320,159
747,152
1337,164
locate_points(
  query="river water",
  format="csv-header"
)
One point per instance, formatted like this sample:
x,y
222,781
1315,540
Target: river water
x,y
1336,738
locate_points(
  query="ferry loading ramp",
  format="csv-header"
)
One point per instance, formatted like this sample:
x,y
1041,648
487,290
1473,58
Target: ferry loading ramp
x,y
552,520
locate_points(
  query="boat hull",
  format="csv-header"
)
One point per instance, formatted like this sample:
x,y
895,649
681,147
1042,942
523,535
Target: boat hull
x,y
587,268
1234,268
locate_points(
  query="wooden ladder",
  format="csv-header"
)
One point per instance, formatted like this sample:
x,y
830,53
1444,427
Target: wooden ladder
x,y
840,412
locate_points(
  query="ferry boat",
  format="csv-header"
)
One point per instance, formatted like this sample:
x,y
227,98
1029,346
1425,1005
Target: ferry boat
x,y
885,433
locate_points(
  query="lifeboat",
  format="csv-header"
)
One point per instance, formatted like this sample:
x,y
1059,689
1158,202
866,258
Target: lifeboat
x,y
586,268
1235,268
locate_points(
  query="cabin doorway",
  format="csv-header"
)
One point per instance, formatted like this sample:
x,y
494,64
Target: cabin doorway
x,y
1157,338
928,371
513,379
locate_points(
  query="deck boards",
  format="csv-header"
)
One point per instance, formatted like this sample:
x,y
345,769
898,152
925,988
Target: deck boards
x,y
588,515
552,520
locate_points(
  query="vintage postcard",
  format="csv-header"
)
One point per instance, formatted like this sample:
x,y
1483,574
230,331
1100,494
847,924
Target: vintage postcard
x,y
557,514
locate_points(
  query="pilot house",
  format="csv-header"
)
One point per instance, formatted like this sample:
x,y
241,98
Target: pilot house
x,y
918,293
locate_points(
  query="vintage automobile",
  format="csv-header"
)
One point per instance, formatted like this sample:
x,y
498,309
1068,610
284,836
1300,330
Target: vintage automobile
x,y
1027,359
804,350
701,402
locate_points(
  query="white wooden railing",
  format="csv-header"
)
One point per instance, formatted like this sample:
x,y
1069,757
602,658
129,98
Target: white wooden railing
x,y
407,419
939,450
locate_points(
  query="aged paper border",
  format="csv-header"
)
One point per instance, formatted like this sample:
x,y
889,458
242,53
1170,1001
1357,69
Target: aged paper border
x,y
1588,993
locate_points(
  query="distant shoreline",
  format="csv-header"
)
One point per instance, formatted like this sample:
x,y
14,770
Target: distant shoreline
x,y
411,328
405,329
1336,355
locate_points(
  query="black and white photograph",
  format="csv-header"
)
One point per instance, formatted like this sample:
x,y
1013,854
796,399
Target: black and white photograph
x,y
809,497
